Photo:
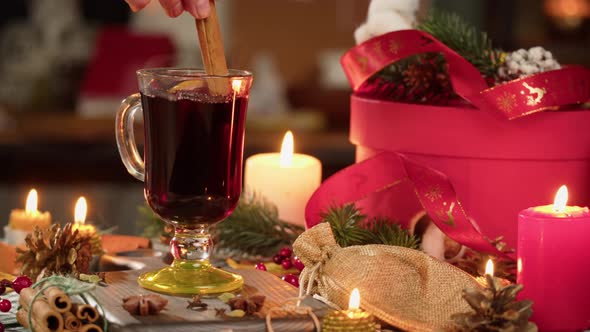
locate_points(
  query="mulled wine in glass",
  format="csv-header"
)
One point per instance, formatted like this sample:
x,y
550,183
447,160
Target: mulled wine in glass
x,y
194,142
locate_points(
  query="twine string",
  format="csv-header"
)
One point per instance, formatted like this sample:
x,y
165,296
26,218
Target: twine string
x,y
296,309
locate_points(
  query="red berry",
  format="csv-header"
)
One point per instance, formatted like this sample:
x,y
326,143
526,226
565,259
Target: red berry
x,y
286,251
292,279
278,258
298,264
260,266
2,289
6,283
287,264
5,305
1,327
20,283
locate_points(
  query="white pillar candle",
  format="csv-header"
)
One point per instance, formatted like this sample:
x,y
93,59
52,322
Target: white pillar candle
x,y
285,179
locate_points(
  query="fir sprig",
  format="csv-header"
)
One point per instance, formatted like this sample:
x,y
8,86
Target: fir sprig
x,y
386,232
344,222
469,42
350,227
254,228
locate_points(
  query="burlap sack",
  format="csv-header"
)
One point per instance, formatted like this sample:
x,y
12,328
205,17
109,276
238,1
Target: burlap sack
x,y
403,287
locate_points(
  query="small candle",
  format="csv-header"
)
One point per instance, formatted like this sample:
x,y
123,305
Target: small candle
x,y
80,219
23,222
285,179
553,264
353,319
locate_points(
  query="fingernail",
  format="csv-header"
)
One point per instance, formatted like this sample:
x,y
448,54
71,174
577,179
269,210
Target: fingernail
x,y
203,9
177,10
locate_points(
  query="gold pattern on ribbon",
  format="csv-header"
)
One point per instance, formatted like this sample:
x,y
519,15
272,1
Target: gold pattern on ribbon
x,y
362,61
378,49
506,102
446,217
540,92
393,47
433,193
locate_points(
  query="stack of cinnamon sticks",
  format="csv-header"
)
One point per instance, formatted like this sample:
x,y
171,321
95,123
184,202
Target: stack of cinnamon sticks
x,y
54,311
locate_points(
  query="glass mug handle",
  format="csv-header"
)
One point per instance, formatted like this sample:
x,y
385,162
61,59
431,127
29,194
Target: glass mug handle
x,y
125,138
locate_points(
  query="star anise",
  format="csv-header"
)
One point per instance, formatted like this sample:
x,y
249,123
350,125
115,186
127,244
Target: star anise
x,y
144,305
196,304
250,305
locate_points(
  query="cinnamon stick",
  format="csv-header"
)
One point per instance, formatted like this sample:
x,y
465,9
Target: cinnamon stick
x,y
50,324
212,51
58,300
44,316
85,312
90,328
71,322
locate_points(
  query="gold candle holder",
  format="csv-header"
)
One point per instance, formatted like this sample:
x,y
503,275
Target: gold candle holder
x,y
353,319
349,320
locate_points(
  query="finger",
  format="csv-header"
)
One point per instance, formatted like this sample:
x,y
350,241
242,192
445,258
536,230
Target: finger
x,y
173,8
197,8
137,5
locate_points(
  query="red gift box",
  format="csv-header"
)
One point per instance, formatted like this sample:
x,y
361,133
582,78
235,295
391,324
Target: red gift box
x,y
471,167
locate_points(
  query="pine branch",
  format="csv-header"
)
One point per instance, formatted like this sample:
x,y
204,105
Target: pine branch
x,y
344,222
255,228
473,45
349,228
385,232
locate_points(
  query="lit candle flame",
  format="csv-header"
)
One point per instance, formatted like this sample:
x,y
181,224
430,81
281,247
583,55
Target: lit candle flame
x,y
287,150
355,300
80,211
560,200
32,199
490,267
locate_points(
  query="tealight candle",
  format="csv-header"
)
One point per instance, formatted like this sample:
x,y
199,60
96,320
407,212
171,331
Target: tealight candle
x,y
23,222
285,179
80,219
353,319
553,264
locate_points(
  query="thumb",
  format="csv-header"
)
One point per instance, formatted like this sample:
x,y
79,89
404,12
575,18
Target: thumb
x,y
197,8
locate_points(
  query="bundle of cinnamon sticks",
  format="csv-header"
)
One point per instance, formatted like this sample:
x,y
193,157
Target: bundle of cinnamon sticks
x,y
54,311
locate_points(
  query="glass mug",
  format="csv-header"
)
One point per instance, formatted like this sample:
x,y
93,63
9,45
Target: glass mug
x,y
194,142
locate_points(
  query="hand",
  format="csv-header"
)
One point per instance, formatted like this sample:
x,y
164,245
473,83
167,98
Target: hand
x,y
173,8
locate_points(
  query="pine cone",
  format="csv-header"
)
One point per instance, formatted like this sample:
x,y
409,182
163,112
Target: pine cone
x,y
495,309
55,251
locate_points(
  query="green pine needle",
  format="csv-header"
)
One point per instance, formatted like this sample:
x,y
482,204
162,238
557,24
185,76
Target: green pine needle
x,y
254,228
470,43
385,232
347,223
344,222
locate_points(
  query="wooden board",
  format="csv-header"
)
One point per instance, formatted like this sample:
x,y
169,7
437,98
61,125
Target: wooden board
x,y
176,317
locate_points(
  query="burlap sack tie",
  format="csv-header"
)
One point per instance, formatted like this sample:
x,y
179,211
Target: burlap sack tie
x,y
403,287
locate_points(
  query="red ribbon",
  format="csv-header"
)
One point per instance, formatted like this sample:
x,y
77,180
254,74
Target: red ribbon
x,y
387,171
547,90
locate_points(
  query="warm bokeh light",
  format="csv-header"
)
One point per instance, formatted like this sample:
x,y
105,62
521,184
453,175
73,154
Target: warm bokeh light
x,y
237,86
490,267
355,300
80,211
560,200
287,150
32,199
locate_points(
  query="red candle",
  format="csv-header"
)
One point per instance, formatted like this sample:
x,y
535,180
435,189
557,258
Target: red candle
x,y
554,264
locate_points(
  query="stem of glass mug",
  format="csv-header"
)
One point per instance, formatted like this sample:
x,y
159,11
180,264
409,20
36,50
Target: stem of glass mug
x,y
191,248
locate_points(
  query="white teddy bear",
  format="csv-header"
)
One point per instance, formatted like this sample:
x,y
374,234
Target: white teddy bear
x,y
386,16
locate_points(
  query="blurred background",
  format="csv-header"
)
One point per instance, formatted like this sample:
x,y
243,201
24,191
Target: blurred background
x,y
66,64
